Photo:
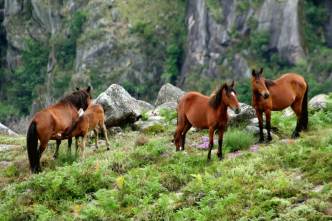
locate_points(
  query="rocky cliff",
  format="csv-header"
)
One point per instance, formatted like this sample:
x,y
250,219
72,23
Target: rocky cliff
x,y
144,44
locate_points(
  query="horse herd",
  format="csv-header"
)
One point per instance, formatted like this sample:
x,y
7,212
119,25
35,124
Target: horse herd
x,y
62,120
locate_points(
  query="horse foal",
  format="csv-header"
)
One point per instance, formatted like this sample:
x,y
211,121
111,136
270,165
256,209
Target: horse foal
x,y
92,119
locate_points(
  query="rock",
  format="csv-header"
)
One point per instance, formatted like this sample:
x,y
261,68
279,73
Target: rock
x,y
168,93
255,130
288,112
6,131
144,106
171,106
120,107
209,38
318,102
247,113
253,121
152,122
281,19
115,130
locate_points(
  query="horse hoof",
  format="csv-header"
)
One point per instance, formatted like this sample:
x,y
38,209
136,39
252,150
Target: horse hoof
x,y
295,135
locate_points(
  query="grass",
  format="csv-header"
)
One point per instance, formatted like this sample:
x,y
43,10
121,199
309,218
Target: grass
x,y
284,180
236,139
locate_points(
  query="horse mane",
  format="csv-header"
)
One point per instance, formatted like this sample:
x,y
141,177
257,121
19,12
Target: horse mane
x,y
215,98
269,83
77,98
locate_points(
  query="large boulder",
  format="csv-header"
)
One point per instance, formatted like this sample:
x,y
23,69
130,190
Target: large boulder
x,y
120,107
318,102
168,93
6,131
247,112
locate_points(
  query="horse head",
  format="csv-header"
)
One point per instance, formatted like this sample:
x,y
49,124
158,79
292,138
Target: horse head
x,y
229,97
258,84
80,98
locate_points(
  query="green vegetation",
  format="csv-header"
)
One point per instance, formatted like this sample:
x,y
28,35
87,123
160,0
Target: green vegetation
x,y
285,180
215,8
238,139
30,76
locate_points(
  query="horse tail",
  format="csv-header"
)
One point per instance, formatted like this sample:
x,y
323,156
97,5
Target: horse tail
x,y
304,112
32,144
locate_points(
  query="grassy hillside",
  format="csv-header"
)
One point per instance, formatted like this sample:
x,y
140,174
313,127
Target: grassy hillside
x,y
143,178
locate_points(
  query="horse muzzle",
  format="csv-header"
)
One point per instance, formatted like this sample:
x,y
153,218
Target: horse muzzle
x,y
266,95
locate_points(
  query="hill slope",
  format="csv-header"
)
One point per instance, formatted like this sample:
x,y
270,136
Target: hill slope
x,y
143,178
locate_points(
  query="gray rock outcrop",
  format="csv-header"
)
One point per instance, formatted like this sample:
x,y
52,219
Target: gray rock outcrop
x,y
168,93
6,131
120,107
318,102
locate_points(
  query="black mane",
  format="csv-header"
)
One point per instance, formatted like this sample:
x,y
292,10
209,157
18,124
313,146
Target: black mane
x,y
215,99
269,83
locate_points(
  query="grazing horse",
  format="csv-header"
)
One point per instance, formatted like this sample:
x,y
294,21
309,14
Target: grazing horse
x,y
289,90
92,119
51,121
195,109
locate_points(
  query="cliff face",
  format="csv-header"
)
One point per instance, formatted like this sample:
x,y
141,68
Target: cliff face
x,y
138,44
208,40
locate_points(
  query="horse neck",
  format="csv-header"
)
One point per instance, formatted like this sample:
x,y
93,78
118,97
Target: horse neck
x,y
222,111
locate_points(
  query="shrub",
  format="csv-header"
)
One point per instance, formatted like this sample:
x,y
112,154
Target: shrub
x,y
236,139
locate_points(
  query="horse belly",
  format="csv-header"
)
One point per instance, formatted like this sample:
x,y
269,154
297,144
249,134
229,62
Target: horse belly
x,y
198,121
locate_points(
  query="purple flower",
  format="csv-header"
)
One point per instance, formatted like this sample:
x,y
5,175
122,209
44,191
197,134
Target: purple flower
x,y
204,144
254,148
235,154
205,139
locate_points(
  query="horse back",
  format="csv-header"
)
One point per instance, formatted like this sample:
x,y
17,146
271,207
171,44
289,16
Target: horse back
x,y
286,89
55,119
194,107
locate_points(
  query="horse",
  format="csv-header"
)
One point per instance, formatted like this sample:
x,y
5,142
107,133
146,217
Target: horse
x,y
200,111
51,121
290,89
92,119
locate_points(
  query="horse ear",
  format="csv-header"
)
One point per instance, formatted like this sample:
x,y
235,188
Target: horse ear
x,y
261,71
253,73
88,89
232,84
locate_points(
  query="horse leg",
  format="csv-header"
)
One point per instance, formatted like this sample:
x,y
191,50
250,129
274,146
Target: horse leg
x,y
70,140
260,124
184,132
96,138
42,147
105,135
297,110
83,145
77,144
55,155
268,124
220,139
177,135
211,132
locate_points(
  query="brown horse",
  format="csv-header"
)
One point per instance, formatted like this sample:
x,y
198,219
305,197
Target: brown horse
x,y
195,109
289,90
92,119
51,121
